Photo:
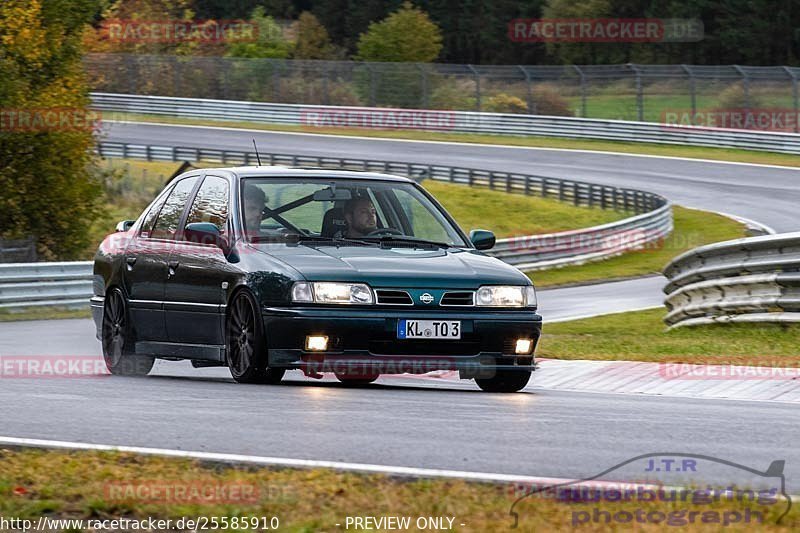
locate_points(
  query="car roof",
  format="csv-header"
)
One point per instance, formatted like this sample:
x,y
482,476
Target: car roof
x,y
291,172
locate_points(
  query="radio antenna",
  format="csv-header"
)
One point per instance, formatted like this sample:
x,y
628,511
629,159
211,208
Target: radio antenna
x,y
258,157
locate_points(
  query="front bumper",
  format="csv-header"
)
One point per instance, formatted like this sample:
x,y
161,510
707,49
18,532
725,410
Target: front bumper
x,y
365,340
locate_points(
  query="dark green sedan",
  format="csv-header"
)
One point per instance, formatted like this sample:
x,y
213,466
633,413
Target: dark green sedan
x,y
267,269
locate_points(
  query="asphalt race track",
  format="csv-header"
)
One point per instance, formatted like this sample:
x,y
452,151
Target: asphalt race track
x,y
427,423
399,421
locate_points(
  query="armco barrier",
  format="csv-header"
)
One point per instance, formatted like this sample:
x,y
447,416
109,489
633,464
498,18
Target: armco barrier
x,y
448,121
24,285
756,279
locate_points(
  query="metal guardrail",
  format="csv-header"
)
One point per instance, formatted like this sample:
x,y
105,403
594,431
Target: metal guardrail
x,y
70,284
755,279
443,121
28,285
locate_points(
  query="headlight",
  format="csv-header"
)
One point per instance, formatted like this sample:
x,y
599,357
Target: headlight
x,y
507,296
332,293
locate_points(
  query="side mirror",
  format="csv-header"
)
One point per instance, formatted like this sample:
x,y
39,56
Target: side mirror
x,y
482,239
205,233
124,225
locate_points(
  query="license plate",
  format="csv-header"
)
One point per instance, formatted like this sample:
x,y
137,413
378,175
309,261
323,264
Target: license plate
x,y
428,329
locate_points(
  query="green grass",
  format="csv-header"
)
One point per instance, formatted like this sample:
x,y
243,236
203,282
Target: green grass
x,y
718,154
87,485
44,314
508,215
693,228
642,336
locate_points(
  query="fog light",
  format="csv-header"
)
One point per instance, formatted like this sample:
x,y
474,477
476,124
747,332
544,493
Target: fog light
x,y
316,343
523,346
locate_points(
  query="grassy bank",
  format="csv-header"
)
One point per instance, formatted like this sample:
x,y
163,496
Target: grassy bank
x,y
642,336
108,485
44,314
693,228
717,154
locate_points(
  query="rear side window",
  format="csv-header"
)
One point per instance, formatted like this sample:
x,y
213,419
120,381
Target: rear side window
x,y
211,203
167,224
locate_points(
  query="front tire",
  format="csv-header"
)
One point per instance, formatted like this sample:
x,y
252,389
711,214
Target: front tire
x,y
505,381
246,346
117,339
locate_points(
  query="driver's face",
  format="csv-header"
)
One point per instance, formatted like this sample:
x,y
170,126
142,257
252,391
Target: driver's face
x,y
363,219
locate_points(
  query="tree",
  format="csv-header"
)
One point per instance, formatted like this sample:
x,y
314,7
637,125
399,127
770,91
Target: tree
x,y
407,35
269,41
313,41
47,174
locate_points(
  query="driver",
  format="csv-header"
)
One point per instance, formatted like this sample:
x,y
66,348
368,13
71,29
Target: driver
x,y
361,217
254,202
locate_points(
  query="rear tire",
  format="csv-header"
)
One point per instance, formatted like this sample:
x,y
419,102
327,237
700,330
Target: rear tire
x,y
505,381
117,339
246,346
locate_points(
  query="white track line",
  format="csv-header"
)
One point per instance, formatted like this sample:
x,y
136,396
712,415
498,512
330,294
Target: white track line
x,y
537,483
455,143
281,461
531,481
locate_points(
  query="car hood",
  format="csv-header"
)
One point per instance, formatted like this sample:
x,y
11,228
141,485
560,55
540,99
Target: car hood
x,y
396,267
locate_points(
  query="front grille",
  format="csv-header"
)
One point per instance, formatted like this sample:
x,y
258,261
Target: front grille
x,y
388,297
464,298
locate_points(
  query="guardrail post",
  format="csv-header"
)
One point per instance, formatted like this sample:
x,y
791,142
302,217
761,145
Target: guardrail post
x,y
576,194
561,190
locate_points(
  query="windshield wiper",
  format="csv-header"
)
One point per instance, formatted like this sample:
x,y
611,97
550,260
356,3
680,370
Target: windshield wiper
x,y
388,240
295,238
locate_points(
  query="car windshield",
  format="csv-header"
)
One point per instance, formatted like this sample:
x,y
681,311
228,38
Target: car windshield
x,y
344,212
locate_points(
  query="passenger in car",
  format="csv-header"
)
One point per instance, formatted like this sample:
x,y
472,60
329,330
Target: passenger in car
x,y
361,217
